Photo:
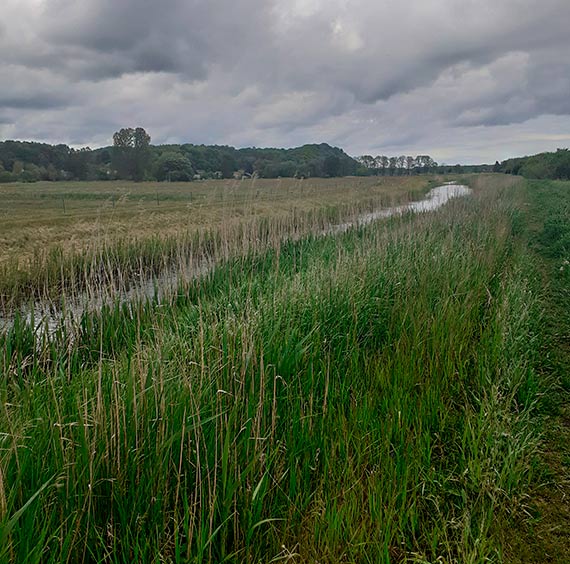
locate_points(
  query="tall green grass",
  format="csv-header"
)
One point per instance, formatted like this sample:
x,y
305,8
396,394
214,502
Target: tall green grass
x,y
364,397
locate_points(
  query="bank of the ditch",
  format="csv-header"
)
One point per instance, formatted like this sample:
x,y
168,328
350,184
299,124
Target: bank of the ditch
x,y
542,532
364,397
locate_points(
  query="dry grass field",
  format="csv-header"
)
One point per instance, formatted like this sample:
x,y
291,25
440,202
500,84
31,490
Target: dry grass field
x,y
78,216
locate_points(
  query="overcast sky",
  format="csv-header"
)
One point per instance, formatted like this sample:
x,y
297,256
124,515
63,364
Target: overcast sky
x,y
462,80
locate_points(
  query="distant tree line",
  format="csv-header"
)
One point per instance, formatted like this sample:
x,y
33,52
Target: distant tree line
x,y
395,166
132,157
405,165
542,166
22,161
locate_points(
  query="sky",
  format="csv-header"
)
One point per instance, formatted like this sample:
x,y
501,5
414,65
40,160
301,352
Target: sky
x,y
465,81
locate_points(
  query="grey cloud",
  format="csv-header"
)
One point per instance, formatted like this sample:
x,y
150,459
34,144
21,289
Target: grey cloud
x,y
364,75
33,102
25,89
539,86
179,36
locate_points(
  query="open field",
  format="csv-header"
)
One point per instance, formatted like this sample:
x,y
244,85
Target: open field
x,y
371,396
75,216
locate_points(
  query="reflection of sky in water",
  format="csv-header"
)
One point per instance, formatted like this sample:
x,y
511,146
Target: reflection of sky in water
x,y
48,319
434,199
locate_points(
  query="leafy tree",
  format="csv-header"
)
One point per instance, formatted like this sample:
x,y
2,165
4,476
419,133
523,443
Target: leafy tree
x,y
51,173
367,161
131,153
6,176
174,167
228,165
275,170
31,173
132,157
77,163
401,164
17,168
544,165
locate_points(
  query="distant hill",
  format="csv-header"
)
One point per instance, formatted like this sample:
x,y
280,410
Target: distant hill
x,y
29,162
542,166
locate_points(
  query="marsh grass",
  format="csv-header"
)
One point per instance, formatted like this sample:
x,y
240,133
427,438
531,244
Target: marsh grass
x,y
363,397
113,234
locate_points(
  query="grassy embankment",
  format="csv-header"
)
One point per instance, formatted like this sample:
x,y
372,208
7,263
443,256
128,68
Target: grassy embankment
x,y
544,534
64,237
368,397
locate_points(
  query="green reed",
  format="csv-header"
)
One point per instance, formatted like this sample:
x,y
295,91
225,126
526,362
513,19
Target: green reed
x,y
364,397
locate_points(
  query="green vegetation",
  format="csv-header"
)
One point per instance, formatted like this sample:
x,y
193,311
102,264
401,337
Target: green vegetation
x,y
133,158
392,166
365,397
543,166
546,535
131,152
409,165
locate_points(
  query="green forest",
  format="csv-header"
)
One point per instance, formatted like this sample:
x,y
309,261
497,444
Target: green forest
x,y
544,166
133,157
22,161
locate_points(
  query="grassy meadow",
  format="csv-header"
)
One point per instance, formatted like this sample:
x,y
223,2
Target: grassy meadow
x,y
373,396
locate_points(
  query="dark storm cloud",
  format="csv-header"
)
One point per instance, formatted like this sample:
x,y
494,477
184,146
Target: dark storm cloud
x,y
181,36
370,75
30,101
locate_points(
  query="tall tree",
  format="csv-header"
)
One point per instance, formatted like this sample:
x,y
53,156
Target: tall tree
x,y
77,163
422,162
131,153
379,164
228,165
367,160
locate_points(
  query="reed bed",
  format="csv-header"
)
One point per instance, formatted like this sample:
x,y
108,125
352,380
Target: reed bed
x,y
359,397
112,234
